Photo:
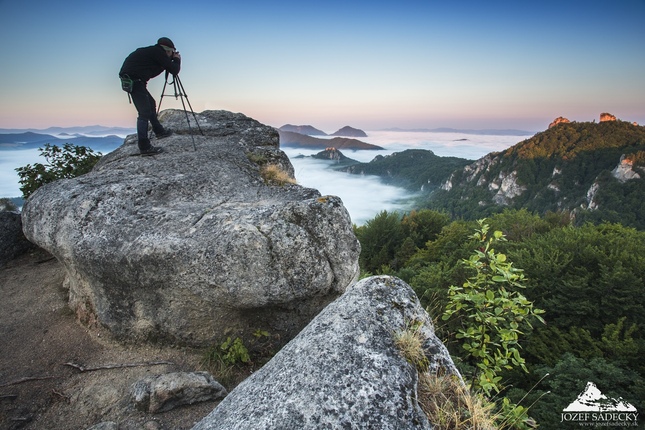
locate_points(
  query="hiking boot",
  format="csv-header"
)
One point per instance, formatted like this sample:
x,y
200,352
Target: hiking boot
x,y
153,150
167,132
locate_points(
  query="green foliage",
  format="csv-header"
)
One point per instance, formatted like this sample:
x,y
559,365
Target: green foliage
x,y
390,239
230,352
519,225
226,360
232,359
586,276
67,162
379,237
492,313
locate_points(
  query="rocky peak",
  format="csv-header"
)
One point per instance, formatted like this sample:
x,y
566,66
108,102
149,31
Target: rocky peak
x,y
331,153
607,117
559,120
195,242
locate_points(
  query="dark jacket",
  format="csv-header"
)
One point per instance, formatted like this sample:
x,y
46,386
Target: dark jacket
x,y
146,63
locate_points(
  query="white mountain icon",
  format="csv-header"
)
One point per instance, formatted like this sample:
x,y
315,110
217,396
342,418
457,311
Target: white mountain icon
x,y
591,399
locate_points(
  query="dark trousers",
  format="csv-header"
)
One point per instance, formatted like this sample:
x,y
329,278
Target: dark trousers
x,y
147,110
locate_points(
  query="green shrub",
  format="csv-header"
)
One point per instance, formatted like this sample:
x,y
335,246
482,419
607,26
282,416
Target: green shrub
x,y
491,312
67,162
492,315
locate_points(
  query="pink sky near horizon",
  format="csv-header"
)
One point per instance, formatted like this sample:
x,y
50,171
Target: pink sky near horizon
x,y
371,65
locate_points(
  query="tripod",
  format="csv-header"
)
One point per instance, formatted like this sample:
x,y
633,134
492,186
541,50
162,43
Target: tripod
x,y
180,92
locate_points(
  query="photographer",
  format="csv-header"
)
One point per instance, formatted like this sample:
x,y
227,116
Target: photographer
x,y
138,68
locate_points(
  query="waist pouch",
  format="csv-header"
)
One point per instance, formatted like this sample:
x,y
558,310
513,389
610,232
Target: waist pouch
x,y
126,83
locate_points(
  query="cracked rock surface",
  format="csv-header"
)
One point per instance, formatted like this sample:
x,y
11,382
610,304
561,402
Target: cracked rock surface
x,y
193,243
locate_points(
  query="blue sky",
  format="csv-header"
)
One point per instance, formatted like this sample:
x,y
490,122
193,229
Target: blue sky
x,y
371,65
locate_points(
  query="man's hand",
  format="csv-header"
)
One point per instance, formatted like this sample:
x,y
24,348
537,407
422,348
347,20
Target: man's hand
x,y
176,55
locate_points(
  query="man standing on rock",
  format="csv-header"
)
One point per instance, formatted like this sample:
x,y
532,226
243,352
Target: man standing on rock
x,y
138,68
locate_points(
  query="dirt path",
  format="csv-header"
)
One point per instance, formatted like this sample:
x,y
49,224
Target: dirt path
x,y
39,334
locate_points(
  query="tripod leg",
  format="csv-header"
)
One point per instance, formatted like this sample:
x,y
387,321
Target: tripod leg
x,y
188,121
189,105
182,94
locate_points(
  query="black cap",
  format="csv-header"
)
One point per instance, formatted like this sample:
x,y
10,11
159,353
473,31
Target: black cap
x,y
164,41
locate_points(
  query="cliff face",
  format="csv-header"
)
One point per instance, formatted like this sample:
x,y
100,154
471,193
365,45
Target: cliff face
x,y
195,242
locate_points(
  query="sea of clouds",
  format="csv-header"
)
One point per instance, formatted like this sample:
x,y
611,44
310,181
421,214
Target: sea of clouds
x,y
366,196
363,196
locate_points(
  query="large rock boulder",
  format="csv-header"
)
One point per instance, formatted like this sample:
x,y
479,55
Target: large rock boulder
x,y
344,370
192,243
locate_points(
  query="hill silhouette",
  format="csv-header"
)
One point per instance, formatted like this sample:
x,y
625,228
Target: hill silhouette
x,y
303,129
348,131
298,140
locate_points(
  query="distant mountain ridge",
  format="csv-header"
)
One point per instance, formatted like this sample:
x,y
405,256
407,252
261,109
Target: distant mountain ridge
x,y
303,129
291,139
90,130
309,130
486,132
31,140
348,131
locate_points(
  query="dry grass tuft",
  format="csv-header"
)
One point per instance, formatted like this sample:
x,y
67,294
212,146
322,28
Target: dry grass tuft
x,y
274,175
444,399
450,405
410,343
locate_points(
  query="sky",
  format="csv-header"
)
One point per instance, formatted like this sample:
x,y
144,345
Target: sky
x,y
368,64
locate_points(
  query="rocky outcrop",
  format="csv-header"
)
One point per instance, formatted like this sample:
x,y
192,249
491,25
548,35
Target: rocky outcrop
x,y
559,120
607,117
194,242
343,370
624,171
164,392
591,197
480,166
507,188
332,154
